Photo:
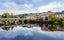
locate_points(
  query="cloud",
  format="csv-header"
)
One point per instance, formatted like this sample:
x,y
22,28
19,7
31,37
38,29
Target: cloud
x,y
30,6
16,8
53,6
36,1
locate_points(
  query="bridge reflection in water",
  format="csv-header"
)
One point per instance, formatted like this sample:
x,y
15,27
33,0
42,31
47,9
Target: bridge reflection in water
x,y
26,23
43,27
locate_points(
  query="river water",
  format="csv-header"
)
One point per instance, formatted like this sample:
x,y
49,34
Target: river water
x,y
33,33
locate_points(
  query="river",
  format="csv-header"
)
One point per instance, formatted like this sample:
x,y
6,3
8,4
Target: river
x,y
33,33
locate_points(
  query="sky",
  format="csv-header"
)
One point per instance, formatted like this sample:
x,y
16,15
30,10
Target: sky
x,y
30,6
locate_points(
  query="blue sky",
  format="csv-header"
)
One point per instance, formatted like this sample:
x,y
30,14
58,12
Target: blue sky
x,y
28,6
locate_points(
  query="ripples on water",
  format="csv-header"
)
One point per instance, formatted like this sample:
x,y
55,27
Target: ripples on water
x,y
34,33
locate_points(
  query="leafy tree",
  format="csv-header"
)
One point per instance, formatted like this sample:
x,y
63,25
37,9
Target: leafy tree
x,y
5,15
0,16
22,15
32,21
46,18
52,16
15,16
11,15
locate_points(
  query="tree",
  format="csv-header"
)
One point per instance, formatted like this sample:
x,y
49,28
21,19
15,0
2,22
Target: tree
x,y
5,15
52,16
46,18
0,16
22,15
11,15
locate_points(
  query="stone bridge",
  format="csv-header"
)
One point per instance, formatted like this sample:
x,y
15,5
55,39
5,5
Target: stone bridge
x,y
22,20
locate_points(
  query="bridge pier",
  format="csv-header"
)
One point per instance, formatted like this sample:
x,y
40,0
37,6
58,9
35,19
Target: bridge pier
x,y
22,21
15,20
6,22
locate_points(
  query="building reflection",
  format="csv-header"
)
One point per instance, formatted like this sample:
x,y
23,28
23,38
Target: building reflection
x,y
44,27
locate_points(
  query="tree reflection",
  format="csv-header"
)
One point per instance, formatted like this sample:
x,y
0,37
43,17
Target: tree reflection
x,y
51,28
7,28
44,27
47,27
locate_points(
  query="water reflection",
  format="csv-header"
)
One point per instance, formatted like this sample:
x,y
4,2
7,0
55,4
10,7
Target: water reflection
x,y
44,27
7,28
34,33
